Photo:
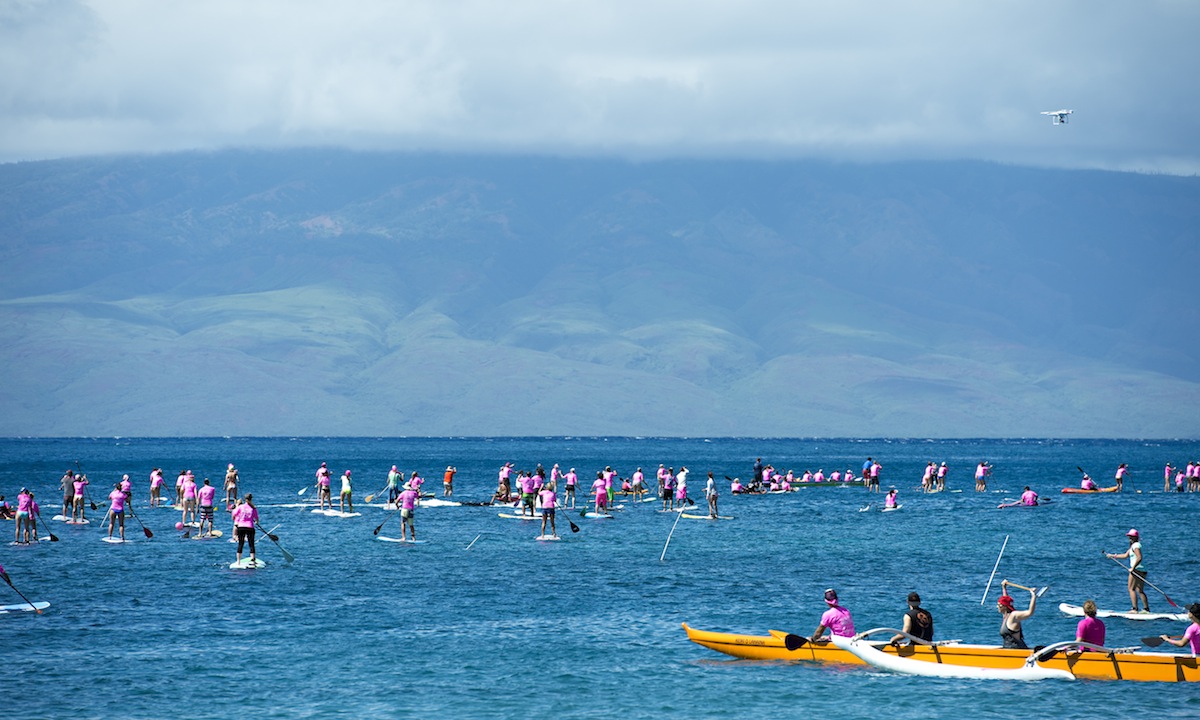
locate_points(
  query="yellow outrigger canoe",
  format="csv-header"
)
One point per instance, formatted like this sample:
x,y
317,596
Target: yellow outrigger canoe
x,y
1115,664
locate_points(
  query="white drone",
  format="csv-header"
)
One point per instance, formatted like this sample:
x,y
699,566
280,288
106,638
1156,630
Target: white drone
x,y
1060,116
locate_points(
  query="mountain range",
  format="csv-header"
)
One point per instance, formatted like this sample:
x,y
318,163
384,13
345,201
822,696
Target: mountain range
x,y
329,292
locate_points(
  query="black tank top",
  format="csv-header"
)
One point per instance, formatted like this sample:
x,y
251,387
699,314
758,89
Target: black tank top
x,y
1012,638
920,623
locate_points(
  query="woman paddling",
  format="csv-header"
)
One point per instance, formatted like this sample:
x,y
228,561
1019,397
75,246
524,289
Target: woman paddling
x,y
245,516
1137,571
1011,632
1191,636
116,510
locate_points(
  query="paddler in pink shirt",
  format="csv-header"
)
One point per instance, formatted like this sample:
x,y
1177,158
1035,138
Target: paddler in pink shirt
x,y
189,497
599,492
408,501
1029,497
24,516
1122,471
156,483
245,517
836,619
206,494
77,513
548,499
1087,483
638,480
571,479
116,510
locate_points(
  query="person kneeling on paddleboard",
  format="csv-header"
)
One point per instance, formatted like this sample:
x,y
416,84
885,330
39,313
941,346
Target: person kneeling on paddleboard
x,y
1029,497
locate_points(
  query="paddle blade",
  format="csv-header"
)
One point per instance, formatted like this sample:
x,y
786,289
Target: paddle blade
x,y
274,538
574,527
1152,641
377,529
302,490
794,642
147,531
369,498
53,537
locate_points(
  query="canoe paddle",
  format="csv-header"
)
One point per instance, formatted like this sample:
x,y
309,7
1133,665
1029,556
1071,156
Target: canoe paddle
x,y
1152,641
794,642
1129,570
14,587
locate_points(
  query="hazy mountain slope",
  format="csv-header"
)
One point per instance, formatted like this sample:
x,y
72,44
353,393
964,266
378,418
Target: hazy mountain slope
x,y
336,293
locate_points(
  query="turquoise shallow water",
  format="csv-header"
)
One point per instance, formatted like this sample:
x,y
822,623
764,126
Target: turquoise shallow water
x,y
587,627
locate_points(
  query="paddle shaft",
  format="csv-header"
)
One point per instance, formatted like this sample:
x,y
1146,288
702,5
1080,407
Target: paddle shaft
x,y
14,587
389,517
1129,570
994,568
663,557
275,539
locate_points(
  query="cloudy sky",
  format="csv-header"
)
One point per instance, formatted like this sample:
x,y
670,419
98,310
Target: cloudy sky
x,y
637,78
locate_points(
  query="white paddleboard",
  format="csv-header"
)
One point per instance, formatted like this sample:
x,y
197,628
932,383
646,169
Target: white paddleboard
x,y
336,513
706,517
113,540
214,535
23,607
547,537
513,516
891,509
595,516
385,538
69,521
1077,611
247,564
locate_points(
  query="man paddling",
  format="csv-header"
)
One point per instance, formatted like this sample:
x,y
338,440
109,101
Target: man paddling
x,y
1137,571
918,622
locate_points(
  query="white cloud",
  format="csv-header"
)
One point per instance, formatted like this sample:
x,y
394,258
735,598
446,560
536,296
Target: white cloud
x,y
859,80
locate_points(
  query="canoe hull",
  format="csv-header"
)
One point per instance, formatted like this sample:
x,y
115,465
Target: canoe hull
x,y
1138,666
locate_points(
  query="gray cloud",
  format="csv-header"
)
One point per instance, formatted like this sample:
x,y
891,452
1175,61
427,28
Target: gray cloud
x,y
772,78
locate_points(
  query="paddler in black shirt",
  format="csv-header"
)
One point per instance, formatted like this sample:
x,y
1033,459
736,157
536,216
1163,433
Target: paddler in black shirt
x,y
918,621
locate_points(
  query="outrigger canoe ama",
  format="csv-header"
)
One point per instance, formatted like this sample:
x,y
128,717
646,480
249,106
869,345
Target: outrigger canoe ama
x,y
1114,665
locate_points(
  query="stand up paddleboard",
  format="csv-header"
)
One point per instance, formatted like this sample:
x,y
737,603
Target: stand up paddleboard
x,y
66,519
247,564
211,536
24,607
545,538
597,516
336,513
1077,611
891,509
113,540
385,538
514,516
705,517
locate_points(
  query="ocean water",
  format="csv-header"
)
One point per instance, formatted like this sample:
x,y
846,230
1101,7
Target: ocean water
x,y
588,627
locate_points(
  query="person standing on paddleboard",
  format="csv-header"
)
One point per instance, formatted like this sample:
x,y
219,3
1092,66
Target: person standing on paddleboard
x,y
601,496
710,493
231,484
245,517
24,516
1122,471
408,501
116,510
68,487
394,481
981,474
571,479
918,622
1011,633
1191,636
156,483
941,476
206,494
324,476
548,499
1091,628
836,619
448,480
1137,571
78,513
189,497
345,497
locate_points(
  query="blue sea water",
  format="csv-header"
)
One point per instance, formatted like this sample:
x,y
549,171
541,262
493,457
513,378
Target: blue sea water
x,y
588,627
